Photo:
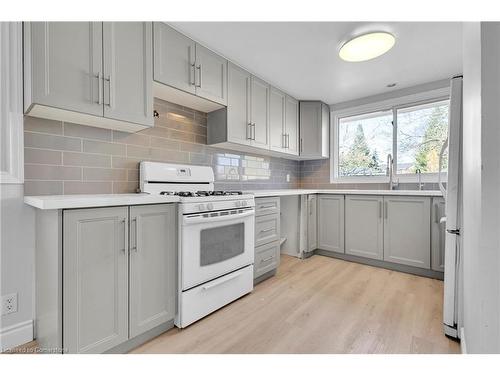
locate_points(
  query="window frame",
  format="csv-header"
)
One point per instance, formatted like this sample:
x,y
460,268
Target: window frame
x,y
393,104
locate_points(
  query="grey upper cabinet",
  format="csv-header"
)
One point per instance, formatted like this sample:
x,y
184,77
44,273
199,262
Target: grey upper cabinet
x,y
314,130
283,122
95,279
211,75
63,66
174,58
438,233
312,222
277,132
292,125
331,223
89,73
128,68
364,213
182,63
238,106
259,112
152,266
407,230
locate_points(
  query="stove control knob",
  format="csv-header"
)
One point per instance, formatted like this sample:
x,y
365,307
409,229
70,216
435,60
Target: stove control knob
x,y
201,207
210,206
243,203
237,203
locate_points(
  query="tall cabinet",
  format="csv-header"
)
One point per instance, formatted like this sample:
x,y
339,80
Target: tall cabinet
x,y
93,73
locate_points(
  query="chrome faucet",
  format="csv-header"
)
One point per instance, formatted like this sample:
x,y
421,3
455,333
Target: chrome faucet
x,y
390,172
419,176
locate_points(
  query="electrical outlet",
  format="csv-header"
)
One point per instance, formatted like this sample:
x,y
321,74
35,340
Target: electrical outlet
x,y
9,304
288,177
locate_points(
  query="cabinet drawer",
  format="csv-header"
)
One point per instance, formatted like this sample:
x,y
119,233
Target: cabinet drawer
x,y
267,229
267,206
266,258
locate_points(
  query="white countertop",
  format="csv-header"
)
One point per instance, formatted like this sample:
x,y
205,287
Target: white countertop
x,y
55,202
282,192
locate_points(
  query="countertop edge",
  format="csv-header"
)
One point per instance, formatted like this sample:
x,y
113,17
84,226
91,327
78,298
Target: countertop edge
x,y
285,192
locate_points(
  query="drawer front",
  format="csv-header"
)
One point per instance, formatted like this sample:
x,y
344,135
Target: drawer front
x,y
266,258
267,229
200,301
267,206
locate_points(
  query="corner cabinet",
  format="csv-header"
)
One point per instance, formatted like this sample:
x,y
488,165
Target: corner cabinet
x,y
314,130
118,268
92,73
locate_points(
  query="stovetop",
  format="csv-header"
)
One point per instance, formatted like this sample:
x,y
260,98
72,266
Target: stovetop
x,y
214,193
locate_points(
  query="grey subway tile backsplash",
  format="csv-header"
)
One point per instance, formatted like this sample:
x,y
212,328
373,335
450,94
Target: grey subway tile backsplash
x,y
88,132
52,142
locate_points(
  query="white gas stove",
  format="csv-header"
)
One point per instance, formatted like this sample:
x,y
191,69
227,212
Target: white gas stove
x,y
216,237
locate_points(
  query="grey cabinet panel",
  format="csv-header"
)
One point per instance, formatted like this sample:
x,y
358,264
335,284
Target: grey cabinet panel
x,y
174,58
128,71
260,112
267,229
292,125
407,230
267,206
312,222
331,223
152,266
314,130
277,139
95,279
438,234
364,226
238,105
63,64
211,75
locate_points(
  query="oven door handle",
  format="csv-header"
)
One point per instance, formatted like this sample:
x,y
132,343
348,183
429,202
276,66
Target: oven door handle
x,y
215,219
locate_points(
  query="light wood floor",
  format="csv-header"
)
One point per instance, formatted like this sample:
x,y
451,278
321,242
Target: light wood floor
x,y
322,305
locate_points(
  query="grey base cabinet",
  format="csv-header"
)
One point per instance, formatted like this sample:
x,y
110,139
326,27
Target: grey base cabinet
x,y
407,230
267,236
312,222
331,223
364,226
104,276
438,234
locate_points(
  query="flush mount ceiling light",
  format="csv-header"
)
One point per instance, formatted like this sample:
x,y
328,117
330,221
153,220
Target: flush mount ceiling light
x,y
367,46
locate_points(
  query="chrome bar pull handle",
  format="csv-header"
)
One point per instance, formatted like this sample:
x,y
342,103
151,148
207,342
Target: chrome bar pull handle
x,y
109,90
124,223
199,76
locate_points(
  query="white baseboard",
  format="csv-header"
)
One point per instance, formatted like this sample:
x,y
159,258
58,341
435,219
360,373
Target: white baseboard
x,y
463,345
16,335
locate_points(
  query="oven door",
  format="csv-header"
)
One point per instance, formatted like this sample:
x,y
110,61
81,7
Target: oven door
x,y
214,244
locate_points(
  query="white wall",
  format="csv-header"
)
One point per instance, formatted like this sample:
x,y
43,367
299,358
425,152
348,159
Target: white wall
x,y
481,169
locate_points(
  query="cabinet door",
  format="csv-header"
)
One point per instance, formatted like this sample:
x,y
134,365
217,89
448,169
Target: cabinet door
x,y
95,279
407,237
325,131
331,223
260,112
292,125
211,75
312,222
363,214
310,122
64,65
238,105
277,120
128,72
174,58
152,266
438,234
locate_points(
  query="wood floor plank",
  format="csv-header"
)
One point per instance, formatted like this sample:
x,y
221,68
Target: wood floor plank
x,y
322,305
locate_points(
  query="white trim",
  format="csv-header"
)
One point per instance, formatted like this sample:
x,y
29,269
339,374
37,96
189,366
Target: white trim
x,y
383,105
15,335
11,94
463,345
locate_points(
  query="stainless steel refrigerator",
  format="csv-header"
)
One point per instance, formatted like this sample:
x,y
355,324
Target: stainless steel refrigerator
x,y
452,192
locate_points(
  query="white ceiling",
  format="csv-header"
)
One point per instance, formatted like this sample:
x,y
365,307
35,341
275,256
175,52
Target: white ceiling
x,y
302,59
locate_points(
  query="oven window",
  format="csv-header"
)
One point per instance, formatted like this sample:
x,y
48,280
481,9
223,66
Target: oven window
x,y
221,243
